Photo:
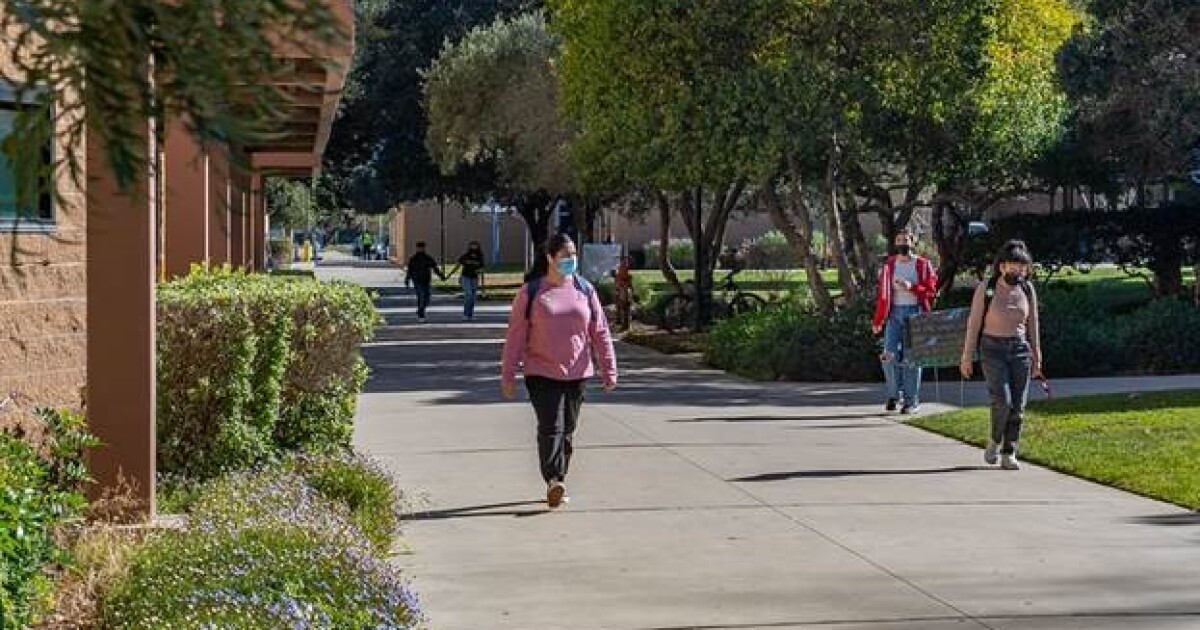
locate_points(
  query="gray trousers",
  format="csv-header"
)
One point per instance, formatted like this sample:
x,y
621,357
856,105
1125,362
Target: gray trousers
x,y
1007,363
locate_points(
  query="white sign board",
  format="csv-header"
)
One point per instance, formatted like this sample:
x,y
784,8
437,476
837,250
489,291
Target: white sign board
x,y
599,260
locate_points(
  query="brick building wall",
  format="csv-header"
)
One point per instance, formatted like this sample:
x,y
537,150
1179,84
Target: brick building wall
x,y
43,299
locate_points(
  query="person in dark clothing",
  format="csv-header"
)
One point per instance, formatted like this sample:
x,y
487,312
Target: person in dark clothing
x,y
419,274
471,264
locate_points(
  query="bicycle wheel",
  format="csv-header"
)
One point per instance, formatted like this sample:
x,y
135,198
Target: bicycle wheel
x,y
677,312
744,303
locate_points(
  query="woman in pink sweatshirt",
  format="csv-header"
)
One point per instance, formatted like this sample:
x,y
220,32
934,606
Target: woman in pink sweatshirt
x,y
556,330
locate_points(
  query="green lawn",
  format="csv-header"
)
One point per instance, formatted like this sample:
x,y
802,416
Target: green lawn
x,y
1144,443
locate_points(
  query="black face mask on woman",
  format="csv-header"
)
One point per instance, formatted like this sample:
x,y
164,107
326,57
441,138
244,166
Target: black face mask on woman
x,y
904,250
1013,278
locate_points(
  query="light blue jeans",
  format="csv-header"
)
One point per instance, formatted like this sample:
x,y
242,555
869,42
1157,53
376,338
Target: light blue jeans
x,y
903,381
470,292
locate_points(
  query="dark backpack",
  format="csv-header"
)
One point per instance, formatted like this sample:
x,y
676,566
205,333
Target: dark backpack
x,y
535,285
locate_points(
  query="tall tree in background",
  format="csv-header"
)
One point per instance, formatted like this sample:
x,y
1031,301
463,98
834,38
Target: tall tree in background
x,y
492,98
665,96
1134,73
377,154
887,106
1135,76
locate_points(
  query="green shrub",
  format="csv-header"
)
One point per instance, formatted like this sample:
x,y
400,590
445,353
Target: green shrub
x,y
344,495
294,273
298,544
363,487
281,250
208,349
259,578
607,290
792,342
1160,338
643,291
327,371
250,365
39,493
681,251
771,251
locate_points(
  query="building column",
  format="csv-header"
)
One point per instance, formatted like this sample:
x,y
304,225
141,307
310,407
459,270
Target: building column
x,y
237,220
188,190
258,223
121,270
219,202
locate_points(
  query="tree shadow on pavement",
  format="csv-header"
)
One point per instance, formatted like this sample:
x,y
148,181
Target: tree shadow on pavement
x,y
477,511
458,363
1169,520
757,419
837,474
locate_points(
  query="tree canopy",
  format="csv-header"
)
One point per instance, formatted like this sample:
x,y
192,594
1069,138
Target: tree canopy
x,y
492,97
1135,73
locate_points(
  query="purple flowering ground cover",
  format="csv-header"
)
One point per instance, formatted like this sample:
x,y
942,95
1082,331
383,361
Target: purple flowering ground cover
x,y
268,549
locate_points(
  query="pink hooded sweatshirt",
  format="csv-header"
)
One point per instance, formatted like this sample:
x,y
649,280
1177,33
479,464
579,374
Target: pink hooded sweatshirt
x,y
560,337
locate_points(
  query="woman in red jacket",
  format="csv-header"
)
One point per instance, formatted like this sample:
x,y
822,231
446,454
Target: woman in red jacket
x,y
907,286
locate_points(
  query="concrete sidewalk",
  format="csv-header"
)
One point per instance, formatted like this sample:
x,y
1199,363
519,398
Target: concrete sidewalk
x,y
704,501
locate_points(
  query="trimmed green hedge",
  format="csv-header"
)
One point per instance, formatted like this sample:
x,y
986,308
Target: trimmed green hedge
x,y
792,342
1088,330
252,365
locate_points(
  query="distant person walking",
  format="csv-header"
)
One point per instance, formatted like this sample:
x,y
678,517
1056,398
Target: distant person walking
x,y
556,329
368,246
471,265
1004,328
419,274
907,286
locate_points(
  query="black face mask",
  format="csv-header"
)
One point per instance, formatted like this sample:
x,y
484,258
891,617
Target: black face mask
x,y
1013,279
904,250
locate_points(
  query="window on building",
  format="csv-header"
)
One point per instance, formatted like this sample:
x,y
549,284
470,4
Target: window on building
x,y
26,197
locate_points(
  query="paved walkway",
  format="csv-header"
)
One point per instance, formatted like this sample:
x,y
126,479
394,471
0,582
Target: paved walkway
x,y
703,501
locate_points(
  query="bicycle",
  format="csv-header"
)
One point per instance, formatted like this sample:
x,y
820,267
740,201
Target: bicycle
x,y
679,310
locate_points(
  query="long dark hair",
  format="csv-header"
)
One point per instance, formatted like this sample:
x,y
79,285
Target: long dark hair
x,y
1014,251
541,259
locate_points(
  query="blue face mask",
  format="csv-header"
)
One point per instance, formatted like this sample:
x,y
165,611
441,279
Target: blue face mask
x,y
568,266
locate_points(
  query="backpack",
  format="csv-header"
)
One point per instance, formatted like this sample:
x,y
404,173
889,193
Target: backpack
x,y
583,286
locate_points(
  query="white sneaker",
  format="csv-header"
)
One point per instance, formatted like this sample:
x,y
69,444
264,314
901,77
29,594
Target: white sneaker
x,y
555,493
420,320
1008,461
991,454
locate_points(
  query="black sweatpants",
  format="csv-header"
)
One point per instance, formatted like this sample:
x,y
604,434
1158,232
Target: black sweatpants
x,y
557,405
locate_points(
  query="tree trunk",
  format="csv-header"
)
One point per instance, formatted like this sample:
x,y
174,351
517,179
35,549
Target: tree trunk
x,y
1167,265
537,210
864,261
664,258
834,232
948,244
799,234
1196,287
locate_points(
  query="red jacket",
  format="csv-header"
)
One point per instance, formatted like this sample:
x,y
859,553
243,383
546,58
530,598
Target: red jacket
x,y
925,289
